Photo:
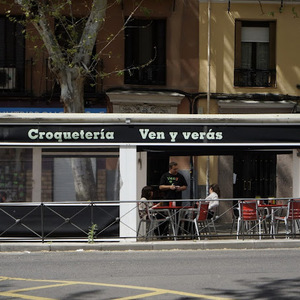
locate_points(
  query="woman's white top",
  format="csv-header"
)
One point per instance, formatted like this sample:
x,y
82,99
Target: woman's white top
x,y
144,206
214,203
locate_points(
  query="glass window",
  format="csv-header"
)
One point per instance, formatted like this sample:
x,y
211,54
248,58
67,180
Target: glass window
x,y
16,174
255,54
58,180
145,52
12,54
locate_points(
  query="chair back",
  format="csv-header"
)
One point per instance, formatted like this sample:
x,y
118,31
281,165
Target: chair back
x,y
248,210
203,211
294,209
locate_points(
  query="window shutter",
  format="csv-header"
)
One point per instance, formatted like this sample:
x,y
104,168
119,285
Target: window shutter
x,y
272,45
2,41
238,44
272,52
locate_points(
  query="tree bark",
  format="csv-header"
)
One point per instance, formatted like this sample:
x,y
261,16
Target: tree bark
x,y
84,181
72,87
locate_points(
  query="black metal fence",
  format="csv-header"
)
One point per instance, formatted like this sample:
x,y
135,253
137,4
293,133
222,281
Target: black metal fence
x,y
58,221
242,218
101,221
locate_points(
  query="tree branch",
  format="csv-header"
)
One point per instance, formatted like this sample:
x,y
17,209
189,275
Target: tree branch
x,y
261,8
91,29
118,33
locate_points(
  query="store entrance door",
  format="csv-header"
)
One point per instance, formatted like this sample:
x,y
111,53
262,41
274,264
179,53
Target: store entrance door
x,y
254,175
157,164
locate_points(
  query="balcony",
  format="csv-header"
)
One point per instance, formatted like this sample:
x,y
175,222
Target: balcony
x,y
254,78
35,80
150,75
15,79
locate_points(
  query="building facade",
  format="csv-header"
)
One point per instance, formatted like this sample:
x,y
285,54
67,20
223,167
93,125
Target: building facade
x,y
172,57
249,64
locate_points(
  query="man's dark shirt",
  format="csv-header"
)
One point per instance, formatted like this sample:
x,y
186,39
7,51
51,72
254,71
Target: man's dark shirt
x,y
169,179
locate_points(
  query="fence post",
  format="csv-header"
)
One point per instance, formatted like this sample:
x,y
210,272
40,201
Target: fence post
x,y
42,223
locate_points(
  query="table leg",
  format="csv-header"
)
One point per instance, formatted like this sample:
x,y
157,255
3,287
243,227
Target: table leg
x,y
272,225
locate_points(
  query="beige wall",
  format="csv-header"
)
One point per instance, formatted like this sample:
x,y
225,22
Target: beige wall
x,y
222,46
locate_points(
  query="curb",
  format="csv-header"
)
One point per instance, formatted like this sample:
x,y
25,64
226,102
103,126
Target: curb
x,y
148,246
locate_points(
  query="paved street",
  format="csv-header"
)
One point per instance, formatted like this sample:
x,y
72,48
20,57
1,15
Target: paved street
x,y
194,274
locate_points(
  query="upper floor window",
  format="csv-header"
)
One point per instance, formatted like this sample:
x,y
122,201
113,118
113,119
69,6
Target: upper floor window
x,y
12,54
255,64
145,52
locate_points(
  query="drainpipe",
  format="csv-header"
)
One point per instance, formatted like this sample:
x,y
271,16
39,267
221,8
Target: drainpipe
x,y
208,55
208,85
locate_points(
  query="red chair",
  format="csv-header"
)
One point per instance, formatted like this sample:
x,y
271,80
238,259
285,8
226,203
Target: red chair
x,y
197,217
249,218
202,218
292,216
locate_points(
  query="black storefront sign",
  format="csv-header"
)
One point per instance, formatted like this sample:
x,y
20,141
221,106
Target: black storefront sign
x,y
150,134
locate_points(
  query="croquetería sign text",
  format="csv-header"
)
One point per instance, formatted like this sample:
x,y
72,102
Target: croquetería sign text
x,y
149,134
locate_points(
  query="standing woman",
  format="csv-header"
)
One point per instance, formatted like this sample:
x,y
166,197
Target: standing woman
x,y
214,194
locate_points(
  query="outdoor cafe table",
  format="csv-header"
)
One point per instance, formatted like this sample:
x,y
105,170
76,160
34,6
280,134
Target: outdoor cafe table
x,y
273,208
173,212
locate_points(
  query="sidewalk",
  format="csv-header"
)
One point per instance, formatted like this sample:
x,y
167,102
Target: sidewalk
x,y
156,245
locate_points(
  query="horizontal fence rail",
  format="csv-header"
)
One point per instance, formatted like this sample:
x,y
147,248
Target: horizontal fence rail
x,y
241,218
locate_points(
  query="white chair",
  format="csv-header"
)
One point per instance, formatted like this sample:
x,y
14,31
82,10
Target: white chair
x,y
196,217
211,221
292,217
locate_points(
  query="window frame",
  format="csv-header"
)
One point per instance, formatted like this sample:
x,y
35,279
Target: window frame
x,y
12,53
155,72
238,70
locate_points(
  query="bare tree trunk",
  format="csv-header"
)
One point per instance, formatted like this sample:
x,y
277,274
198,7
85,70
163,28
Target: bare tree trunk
x,y
72,87
84,180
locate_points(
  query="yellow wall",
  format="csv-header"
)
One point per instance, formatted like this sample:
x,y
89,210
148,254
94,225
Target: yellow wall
x,y
222,46
207,165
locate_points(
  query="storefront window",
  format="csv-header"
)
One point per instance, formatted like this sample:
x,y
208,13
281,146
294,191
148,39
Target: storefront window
x,y
58,180
15,174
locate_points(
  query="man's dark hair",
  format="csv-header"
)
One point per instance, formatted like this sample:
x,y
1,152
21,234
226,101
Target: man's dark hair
x,y
171,164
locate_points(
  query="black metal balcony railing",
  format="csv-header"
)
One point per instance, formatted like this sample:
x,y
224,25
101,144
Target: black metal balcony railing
x,y
254,78
150,75
18,80
13,77
7,78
